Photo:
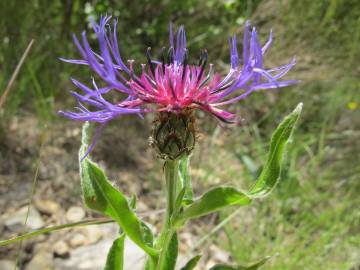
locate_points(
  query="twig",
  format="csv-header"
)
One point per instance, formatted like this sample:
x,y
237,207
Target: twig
x,y
15,73
95,221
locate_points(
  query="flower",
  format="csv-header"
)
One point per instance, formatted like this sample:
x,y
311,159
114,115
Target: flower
x,y
170,84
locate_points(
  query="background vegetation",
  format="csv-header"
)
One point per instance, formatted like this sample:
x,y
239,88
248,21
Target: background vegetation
x,y
313,219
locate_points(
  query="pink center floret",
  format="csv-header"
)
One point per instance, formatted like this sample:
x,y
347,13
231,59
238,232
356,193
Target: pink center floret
x,y
174,87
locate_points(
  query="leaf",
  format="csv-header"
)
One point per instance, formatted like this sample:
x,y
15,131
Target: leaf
x,y
171,254
100,195
223,267
179,200
115,257
147,234
190,265
212,201
185,179
92,199
132,201
220,197
253,266
270,174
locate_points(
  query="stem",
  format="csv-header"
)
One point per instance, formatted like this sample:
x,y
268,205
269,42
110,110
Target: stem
x,y
54,228
95,221
171,178
171,168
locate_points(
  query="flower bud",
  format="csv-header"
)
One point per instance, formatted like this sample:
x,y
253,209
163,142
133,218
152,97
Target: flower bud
x,y
173,134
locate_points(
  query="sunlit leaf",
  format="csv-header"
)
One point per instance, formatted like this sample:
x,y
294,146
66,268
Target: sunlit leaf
x,y
213,200
115,257
179,199
190,265
171,254
132,201
253,266
270,174
185,179
100,195
221,197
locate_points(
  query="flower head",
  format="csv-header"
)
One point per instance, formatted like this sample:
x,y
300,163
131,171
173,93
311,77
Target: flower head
x,y
170,84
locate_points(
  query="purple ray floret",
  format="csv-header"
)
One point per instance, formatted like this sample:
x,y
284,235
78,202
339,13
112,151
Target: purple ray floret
x,y
170,83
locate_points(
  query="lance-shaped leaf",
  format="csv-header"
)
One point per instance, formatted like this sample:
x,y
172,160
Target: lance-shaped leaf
x,y
270,174
220,197
212,201
115,257
190,265
253,266
100,195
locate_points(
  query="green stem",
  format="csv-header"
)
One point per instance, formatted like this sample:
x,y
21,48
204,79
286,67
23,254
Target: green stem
x,y
171,168
55,228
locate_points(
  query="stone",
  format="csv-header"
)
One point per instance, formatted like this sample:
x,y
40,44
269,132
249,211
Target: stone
x,y
219,255
6,265
75,214
43,246
210,264
61,249
93,234
93,257
43,260
15,221
47,207
77,239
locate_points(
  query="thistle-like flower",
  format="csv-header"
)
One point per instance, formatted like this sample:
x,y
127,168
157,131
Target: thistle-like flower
x,y
170,84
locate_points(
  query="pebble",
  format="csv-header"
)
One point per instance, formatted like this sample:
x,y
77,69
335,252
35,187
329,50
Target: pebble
x,y
15,221
47,207
93,257
210,264
6,265
75,214
219,255
40,247
93,234
43,260
61,249
77,240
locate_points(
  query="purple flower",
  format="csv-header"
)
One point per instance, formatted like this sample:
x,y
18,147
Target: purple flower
x,y
170,84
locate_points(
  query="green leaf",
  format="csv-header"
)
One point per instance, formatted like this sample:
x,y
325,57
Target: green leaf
x,y
220,197
147,234
270,174
132,201
100,195
115,257
213,200
185,179
223,267
179,200
92,198
171,254
253,266
190,265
